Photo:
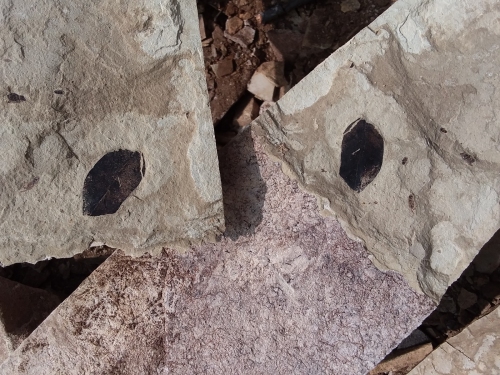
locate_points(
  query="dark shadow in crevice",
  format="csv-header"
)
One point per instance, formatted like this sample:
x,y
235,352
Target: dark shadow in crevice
x,y
59,277
243,188
475,294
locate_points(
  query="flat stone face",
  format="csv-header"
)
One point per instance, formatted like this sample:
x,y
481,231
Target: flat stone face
x,y
105,128
284,292
419,184
474,351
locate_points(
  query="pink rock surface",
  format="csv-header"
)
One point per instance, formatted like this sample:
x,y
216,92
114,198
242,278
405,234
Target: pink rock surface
x,y
284,292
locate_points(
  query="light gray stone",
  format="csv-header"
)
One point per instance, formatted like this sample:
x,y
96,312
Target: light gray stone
x,y
285,291
425,74
80,80
474,351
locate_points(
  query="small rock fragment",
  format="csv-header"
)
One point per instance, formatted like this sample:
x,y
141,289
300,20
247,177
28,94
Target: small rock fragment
x,y
244,37
201,21
223,67
248,112
231,9
350,6
233,25
206,42
284,44
266,79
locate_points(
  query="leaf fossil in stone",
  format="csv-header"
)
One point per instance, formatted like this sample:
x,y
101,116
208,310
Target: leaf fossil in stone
x,y
112,179
361,156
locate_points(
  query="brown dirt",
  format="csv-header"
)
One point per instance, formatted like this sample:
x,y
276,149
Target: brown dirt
x,y
302,39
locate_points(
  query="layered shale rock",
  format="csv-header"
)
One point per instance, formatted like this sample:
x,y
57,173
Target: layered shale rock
x,y
105,131
397,134
284,292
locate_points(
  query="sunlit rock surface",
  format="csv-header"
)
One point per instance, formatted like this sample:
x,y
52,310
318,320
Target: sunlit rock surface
x,y
425,75
92,81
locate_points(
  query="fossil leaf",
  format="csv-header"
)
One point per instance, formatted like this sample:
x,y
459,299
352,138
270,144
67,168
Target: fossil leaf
x,y
112,179
361,156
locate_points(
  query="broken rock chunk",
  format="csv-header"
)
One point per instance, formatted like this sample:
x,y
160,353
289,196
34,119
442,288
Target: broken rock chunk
x,y
266,79
233,25
246,112
244,37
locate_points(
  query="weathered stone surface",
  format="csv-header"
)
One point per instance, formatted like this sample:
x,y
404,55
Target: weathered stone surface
x,y
474,351
425,75
22,309
81,80
285,291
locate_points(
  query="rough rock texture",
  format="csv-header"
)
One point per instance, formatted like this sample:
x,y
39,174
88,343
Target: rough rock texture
x,y
22,309
81,80
474,351
284,292
425,74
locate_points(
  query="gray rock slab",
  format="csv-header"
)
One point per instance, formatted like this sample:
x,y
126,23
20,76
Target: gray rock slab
x,y
425,75
81,80
474,351
285,291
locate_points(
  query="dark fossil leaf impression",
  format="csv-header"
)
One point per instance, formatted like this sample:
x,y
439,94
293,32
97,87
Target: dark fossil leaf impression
x,y
112,179
362,154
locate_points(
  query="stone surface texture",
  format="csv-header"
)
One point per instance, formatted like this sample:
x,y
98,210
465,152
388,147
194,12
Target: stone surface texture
x,y
426,75
474,351
80,80
22,309
285,291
